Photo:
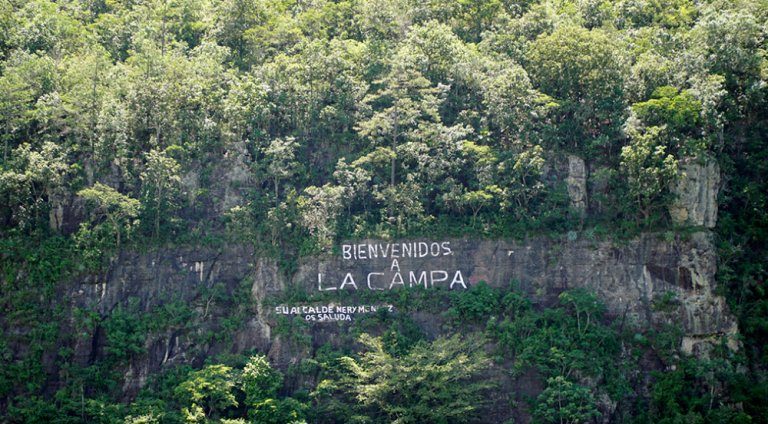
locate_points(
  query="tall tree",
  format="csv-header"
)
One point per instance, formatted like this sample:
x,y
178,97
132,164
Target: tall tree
x,y
584,71
649,169
117,209
281,158
563,402
232,18
403,100
160,187
434,382
30,179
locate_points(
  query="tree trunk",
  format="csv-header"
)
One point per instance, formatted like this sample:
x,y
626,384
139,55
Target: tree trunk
x,y
276,191
394,150
115,223
157,212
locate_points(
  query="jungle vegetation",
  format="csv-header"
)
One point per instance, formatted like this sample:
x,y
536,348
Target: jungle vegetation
x,y
288,125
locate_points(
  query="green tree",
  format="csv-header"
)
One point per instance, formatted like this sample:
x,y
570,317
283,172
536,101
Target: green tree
x,y
649,169
31,178
209,390
246,108
319,208
510,102
584,306
477,16
117,209
259,380
25,78
169,22
564,402
726,40
125,335
681,116
160,187
7,25
44,26
232,18
584,71
520,171
668,106
405,98
15,101
281,158
384,19
404,207
436,382
85,82
478,199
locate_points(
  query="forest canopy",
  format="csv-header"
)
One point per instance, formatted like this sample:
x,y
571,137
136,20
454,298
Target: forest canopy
x,y
357,118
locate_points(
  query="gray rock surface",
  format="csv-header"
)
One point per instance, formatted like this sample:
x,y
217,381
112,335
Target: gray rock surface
x,y
696,194
577,183
630,278
646,282
56,213
236,174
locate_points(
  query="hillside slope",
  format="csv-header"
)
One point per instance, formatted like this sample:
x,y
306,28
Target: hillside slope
x,y
383,211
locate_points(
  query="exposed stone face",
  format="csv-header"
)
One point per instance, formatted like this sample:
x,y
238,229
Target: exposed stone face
x,y
191,184
629,278
696,191
56,213
66,213
236,173
647,281
577,183
198,278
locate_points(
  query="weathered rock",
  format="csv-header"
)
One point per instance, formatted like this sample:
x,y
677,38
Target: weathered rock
x,y
577,183
629,278
205,280
645,282
56,213
696,194
66,213
236,175
191,183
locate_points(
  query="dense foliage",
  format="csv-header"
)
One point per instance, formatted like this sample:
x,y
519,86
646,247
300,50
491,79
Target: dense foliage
x,y
289,125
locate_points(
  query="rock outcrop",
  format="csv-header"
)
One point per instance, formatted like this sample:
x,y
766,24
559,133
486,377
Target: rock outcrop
x,y
634,279
696,194
236,174
577,184
647,282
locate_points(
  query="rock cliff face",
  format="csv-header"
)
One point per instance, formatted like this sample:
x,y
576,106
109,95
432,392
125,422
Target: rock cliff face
x,y
577,183
213,301
647,281
696,191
